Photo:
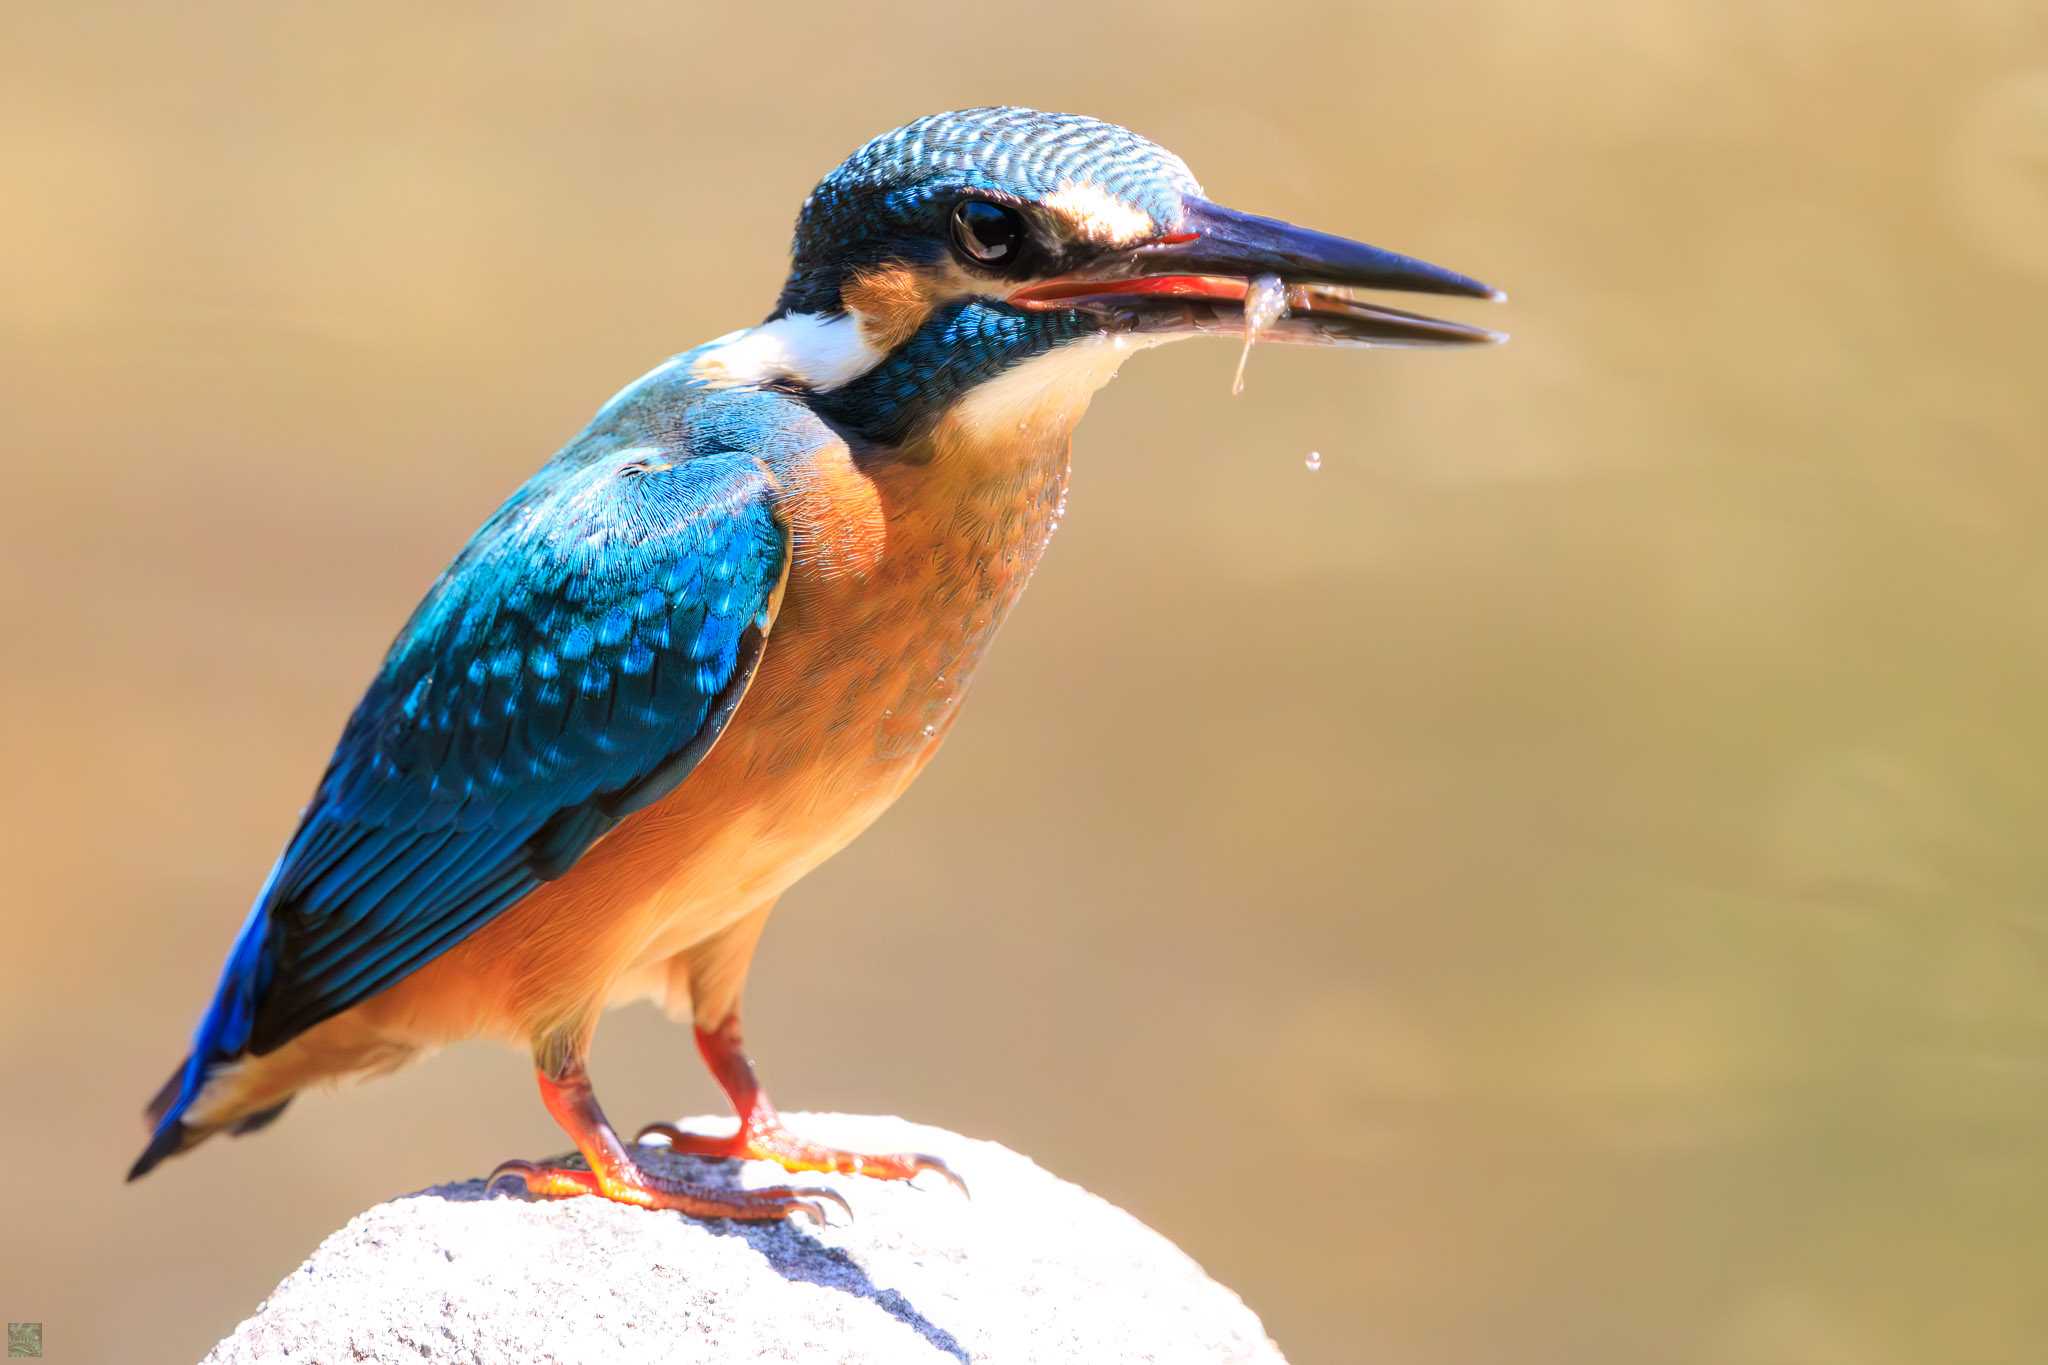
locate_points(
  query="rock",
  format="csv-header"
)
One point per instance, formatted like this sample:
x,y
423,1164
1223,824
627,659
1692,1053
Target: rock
x,y
1032,1269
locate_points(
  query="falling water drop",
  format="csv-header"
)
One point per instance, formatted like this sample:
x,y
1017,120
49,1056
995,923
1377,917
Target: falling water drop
x,y
1314,461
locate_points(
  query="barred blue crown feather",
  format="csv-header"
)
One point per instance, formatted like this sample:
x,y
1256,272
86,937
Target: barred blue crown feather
x,y
1016,153
567,668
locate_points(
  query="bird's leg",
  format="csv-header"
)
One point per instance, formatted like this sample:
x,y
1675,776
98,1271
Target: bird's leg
x,y
761,1135
615,1175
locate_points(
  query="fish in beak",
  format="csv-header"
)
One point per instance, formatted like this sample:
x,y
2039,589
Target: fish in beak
x,y
1201,277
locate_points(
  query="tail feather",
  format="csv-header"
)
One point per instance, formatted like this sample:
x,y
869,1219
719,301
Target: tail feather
x,y
171,1134
261,1119
165,1113
220,1042
166,1097
169,1138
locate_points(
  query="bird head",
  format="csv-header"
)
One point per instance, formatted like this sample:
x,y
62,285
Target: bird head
x,y
1007,260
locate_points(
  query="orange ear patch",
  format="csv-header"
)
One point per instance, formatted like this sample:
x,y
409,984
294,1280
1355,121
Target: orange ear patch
x,y
891,302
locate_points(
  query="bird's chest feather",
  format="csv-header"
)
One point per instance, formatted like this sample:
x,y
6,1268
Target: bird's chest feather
x,y
898,586
901,573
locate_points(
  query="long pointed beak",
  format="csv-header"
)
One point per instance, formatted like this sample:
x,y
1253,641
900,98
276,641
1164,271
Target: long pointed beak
x,y
1219,241
1199,278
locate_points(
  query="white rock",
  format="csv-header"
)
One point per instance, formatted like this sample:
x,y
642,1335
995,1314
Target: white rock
x,y
1032,1269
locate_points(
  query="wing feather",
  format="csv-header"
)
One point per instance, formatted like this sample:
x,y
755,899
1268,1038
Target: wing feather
x,y
572,664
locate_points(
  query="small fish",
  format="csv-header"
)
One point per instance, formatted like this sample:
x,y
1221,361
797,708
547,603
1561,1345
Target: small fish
x,y
1265,303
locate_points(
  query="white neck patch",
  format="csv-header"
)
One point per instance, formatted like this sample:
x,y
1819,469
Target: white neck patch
x,y
820,351
824,351
1051,391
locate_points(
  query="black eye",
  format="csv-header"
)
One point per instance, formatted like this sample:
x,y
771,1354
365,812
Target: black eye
x,y
988,234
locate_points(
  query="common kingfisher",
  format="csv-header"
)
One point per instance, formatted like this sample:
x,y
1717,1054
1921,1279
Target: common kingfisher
x,y
724,627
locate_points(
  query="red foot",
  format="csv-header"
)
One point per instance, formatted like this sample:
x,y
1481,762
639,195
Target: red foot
x,y
773,1142
634,1184
615,1175
761,1136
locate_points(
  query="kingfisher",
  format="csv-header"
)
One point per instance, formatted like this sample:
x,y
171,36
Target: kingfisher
x,y
726,625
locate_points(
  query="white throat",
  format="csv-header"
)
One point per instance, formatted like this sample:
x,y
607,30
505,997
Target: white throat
x,y
824,352
1051,391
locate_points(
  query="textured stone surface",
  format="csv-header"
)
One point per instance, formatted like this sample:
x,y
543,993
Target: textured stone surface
x,y
1033,1269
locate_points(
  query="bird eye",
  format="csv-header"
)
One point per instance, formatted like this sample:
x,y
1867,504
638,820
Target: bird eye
x,y
988,234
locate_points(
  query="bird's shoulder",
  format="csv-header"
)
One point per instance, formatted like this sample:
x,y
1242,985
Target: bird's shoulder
x,y
683,403
670,476
816,484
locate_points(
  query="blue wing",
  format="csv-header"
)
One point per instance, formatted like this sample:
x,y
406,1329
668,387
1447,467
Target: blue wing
x,y
567,669
570,666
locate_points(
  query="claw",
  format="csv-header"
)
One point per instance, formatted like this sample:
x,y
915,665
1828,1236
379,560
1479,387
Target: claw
x,y
549,1182
671,1136
920,1163
810,1201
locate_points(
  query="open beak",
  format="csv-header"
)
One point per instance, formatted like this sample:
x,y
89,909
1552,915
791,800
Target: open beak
x,y
1197,279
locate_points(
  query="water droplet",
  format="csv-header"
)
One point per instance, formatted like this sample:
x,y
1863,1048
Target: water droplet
x,y
888,711
930,731
1314,461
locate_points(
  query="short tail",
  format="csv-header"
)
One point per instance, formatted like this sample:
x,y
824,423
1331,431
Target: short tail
x,y
171,1134
168,1133
222,1040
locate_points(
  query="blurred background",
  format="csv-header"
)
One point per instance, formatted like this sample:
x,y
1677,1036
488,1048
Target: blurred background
x,y
1562,883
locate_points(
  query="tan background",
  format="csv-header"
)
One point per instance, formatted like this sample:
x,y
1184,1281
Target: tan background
x,y
1565,883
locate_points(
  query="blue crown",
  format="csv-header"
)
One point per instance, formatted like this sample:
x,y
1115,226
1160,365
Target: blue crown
x,y
899,180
